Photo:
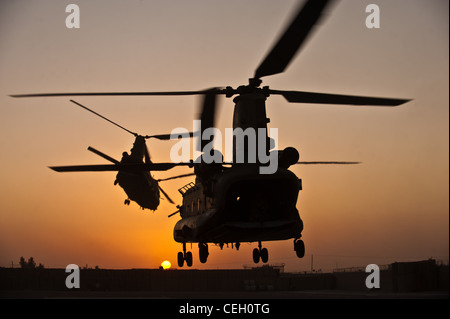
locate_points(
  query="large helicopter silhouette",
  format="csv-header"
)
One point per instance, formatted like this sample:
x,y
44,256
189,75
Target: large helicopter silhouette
x,y
233,202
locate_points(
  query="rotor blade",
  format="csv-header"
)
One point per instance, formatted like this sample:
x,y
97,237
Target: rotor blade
x,y
85,168
166,195
288,44
326,163
133,168
88,109
166,137
174,213
325,98
147,155
207,115
109,158
218,91
175,177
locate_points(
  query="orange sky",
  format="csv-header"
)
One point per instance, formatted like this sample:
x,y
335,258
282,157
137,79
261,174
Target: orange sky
x,y
393,207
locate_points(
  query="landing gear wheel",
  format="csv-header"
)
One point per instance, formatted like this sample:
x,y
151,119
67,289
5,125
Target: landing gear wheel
x,y
203,252
264,253
127,202
256,255
184,256
299,247
260,253
180,259
188,258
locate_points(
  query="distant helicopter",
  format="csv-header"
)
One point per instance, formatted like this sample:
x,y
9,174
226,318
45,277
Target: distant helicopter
x,y
138,184
231,203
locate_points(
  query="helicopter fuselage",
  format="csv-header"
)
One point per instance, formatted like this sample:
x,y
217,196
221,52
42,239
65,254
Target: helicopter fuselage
x,y
140,188
240,205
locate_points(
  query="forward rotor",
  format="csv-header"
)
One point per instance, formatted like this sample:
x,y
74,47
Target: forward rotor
x,y
158,136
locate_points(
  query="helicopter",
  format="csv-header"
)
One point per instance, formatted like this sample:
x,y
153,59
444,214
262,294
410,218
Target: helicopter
x,y
233,203
139,185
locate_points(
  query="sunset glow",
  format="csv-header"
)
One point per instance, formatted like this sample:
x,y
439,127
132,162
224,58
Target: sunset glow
x,y
394,206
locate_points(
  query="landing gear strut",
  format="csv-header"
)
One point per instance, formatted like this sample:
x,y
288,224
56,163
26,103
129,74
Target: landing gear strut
x,y
260,253
184,256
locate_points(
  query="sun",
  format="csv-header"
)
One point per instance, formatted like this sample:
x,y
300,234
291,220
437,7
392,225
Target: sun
x,y
166,264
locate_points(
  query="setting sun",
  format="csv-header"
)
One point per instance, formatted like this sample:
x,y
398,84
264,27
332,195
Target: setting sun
x,y
166,264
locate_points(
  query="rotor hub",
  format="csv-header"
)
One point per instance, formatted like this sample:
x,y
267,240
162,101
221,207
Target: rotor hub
x,y
254,82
